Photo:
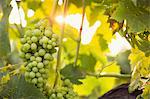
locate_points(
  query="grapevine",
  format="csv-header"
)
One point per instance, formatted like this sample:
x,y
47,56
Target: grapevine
x,y
38,46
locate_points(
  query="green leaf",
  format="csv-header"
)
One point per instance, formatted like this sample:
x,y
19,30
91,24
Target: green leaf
x,y
18,88
73,73
145,47
87,62
4,39
135,16
123,61
103,43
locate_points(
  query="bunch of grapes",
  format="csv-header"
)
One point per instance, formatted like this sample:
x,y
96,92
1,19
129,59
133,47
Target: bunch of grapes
x,y
63,92
38,45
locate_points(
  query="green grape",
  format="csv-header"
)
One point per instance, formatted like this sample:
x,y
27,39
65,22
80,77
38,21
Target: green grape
x,y
32,58
47,56
42,52
38,59
54,44
27,38
27,74
38,74
33,46
28,33
36,54
46,62
28,55
49,46
29,65
40,79
34,81
22,55
45,39
35,69
45,76
53,39
26,46
23,40
42,70
44,45
36,32
48,33
49,42
34,39
54,36
40,85
32,74
29,42
59,95
34,63
40,65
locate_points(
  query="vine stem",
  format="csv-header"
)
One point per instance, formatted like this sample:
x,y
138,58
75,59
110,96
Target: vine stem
x,y
80,31
110,75
53,11
60,46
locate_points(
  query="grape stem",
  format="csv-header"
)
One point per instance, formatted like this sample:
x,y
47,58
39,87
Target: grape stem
x,y
80,31
57,77
110,75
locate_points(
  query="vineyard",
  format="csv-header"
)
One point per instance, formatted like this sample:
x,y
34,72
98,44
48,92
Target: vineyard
x,y
74,49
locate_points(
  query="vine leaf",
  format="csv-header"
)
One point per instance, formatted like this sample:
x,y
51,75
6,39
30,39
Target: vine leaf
x,y
18,88
87,62
126,10
73,73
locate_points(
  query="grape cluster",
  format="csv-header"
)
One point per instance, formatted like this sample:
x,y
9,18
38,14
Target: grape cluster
x,y
38,45
63,92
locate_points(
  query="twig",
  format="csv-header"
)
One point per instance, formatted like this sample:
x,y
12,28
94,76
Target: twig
x,y
110,75
53,11
60,46
79,39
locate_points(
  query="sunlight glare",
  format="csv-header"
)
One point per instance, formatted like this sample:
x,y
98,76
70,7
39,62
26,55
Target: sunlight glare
x,y
30,13
74,20
60,2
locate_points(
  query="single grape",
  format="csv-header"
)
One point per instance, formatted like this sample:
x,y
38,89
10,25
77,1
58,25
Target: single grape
x,y
53,39
36,54
44,45
34,81
27,74
47,56
28,33
48,33
32,58
32,74
23,40
36,32
45,39
33,46
49,46
42,70
28,55
40,85
34,39
34,63
46,62
40,65
49,42
22,55
40,79
35,69
38,74
26,46
38,59
54,44
42,52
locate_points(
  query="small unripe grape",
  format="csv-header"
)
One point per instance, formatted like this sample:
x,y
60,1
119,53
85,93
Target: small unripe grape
x,y
29,65
38,74
38,59
53,96
47,56
53,39
29,42
45,39
49,42
34,39
32,74
36,32
33,46
48,33
54,36
22,55
59,95
27,74
46,62
28,55
45,76
23,40
42,52
42,70
49,46
44,45
54,44
40,65
35,69
34,81
36,54
39,84
32,58
40,79
28,33
34,63
26,46
27,38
